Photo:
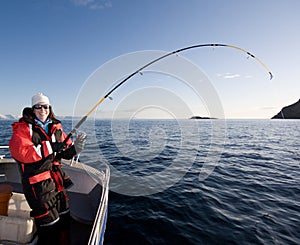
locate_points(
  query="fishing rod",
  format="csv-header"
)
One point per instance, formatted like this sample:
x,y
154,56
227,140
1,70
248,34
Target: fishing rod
x,y
84,118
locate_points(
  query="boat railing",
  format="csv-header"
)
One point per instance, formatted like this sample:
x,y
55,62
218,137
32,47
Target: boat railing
x,y
2,156
97,234
3,147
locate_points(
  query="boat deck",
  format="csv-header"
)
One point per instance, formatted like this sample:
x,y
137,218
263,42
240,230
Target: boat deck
x,y
79,230
84,196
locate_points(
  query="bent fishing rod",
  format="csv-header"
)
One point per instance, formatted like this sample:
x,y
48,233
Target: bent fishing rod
x,y
84,118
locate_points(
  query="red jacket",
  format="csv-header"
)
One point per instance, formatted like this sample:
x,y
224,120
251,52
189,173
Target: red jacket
x,y
40,168
22,147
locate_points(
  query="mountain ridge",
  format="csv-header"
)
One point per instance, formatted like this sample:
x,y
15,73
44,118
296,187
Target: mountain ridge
x,y
289,112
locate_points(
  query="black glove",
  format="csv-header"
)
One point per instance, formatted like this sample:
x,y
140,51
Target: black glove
x,y
57,146
80,142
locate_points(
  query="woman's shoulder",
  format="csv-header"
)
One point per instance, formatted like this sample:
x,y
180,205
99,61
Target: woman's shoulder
x,y
20,127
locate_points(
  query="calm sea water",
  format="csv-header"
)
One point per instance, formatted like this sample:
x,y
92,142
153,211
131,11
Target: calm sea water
x,y
252,196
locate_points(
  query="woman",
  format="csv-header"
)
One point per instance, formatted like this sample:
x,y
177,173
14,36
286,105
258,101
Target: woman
x,y
37,145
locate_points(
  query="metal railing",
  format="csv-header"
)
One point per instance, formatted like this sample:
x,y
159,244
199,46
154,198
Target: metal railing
x,y
3,147
97,234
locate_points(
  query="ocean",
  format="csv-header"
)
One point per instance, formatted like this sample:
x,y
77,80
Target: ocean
x,y
186,182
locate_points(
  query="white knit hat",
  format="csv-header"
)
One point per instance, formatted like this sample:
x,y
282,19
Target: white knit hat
x,y
39,98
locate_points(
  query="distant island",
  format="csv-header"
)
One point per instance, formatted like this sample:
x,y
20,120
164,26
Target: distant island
x,y
8,117
198,117
289,112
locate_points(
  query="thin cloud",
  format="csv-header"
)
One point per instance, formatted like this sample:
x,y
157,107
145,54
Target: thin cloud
x,y
229,76
92,4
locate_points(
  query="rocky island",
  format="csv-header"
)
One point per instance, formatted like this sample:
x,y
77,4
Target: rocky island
x,y
198,117
289,112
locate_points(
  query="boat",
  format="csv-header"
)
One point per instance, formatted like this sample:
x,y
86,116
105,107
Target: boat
x,y
88,199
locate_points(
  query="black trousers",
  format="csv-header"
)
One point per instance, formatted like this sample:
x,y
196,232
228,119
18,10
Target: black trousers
x,y
58,233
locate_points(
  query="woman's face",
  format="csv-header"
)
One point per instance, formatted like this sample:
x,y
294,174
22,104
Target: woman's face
x,y
41,111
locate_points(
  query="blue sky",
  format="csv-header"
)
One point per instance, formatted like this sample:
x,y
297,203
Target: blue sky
x,y
54,46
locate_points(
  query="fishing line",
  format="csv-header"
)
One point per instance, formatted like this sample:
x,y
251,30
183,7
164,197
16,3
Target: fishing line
x,y
84,118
